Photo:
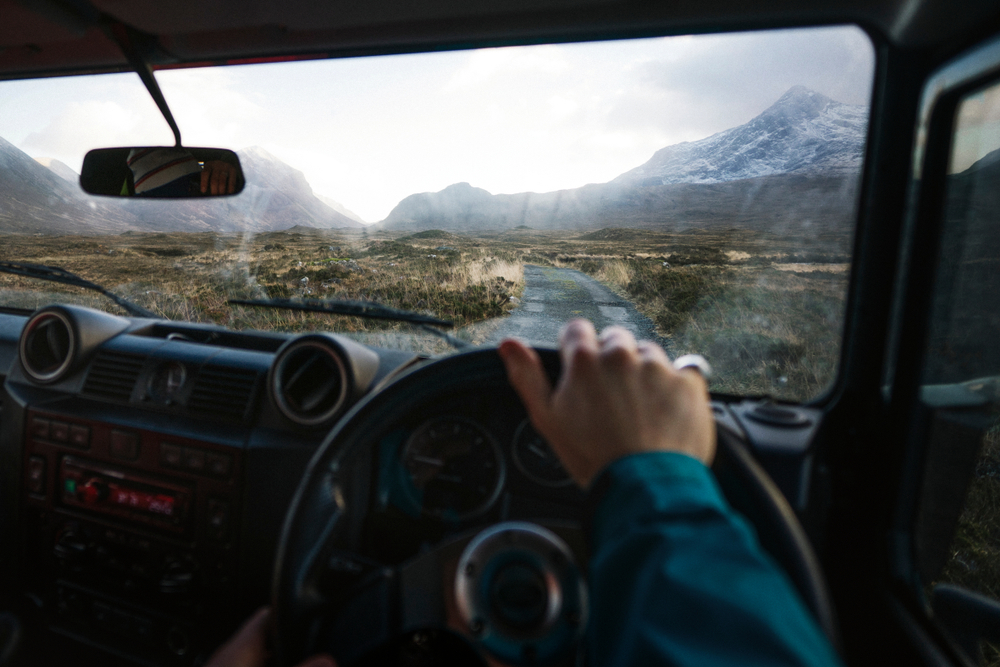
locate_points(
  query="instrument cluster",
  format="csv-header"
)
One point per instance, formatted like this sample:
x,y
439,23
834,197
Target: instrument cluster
x,y
454,468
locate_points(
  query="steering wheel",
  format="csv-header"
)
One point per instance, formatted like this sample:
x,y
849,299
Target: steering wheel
x,y
330,594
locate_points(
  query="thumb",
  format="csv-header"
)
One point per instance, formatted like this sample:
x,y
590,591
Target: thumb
x,y
526,375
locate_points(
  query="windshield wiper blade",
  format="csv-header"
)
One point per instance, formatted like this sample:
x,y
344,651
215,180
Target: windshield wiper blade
x,y
55,274
366,309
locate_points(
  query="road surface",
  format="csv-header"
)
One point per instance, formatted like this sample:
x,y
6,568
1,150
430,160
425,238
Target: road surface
x,y
554,295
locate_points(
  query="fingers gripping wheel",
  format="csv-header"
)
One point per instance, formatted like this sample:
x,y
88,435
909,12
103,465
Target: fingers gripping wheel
x,y
523,600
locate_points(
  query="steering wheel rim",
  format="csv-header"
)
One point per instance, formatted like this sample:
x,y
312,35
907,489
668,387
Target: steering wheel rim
x,y
323,523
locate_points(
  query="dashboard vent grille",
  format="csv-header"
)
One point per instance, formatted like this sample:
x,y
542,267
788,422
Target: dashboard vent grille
x,y
222,392
113,375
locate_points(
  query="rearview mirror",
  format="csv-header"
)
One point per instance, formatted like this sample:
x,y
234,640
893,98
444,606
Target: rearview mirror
x,y
162,172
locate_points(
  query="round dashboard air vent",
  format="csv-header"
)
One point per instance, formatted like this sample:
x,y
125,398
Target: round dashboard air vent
x,y
309,381
47,346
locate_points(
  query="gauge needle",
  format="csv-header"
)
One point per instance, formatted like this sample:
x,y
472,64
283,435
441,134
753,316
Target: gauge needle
x,y
537,451
426,459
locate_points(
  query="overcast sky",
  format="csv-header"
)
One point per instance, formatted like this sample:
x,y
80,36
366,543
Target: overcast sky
x,y
369,131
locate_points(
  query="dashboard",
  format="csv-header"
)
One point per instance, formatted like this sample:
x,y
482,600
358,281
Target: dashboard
x,y
146,468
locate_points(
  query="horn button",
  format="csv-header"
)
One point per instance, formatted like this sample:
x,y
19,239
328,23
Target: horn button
x,y
520,594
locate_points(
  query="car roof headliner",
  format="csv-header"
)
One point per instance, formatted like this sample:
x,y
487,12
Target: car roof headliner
x,y
58,37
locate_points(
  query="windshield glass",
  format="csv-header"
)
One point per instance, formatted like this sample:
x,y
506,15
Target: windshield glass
x,y
698,190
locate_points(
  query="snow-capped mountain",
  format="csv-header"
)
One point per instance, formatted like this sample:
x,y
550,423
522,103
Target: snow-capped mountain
x,y
804,132
797,163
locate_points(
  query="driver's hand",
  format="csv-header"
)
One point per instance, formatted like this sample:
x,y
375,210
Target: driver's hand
x,y
615,397
248,647
218,177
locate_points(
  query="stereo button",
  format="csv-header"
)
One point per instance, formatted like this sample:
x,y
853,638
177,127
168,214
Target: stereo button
x,y
171,456
220,465
39,428
59,431
218,519
79,436
194,459
36,474
124,445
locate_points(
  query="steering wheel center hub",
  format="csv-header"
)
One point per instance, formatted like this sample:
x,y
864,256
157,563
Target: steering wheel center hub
x,y
520,594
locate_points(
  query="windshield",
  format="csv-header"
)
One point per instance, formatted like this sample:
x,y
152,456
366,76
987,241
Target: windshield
x,y
700,191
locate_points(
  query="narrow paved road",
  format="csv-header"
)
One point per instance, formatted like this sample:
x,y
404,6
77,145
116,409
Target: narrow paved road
x,y
553,295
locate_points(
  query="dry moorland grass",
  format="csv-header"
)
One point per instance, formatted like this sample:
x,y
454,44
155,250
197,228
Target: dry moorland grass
x,y
974,559
767,311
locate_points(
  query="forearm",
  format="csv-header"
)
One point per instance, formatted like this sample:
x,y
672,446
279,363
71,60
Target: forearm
x,y
676,577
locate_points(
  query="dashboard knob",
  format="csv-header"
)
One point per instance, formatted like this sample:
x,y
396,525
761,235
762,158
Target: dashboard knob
x,y
72,547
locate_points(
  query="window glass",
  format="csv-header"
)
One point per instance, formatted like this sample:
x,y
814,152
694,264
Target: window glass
x,y
966,310
962,366
700,191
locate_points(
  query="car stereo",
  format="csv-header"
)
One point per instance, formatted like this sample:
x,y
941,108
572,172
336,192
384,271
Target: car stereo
x,y
131,534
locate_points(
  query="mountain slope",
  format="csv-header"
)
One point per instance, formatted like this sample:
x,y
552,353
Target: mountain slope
x,y
44,196
278,196
34,199
60,169
340,208
803,132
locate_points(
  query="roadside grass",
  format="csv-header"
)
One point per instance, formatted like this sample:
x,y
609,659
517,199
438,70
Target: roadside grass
x,y
974,560
766,311
769,325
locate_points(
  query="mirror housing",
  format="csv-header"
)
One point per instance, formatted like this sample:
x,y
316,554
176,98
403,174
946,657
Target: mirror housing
x,y
161,172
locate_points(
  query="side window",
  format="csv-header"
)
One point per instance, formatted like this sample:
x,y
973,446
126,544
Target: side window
x,y
958,522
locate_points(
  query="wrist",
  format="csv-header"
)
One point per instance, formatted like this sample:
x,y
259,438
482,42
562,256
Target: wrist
x,y
638,487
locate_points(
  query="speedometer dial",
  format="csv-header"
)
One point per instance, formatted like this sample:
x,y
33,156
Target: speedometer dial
x,y
455,468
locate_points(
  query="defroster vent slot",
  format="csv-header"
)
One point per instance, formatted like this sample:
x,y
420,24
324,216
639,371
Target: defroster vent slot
x,y
113,375
222,392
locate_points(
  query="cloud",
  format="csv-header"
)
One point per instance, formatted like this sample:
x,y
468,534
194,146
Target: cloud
x,y
114,110
490,65
698,86
370,131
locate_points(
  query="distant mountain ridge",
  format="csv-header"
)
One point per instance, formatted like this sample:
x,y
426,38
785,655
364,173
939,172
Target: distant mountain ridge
x,y
797,161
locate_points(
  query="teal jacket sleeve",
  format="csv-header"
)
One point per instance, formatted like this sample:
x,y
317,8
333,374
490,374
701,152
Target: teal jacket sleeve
x,y
678,578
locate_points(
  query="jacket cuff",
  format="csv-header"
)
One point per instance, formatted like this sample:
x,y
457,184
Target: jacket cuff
x,y
642,486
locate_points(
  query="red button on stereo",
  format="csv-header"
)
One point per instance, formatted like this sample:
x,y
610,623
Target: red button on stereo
x,y
92,492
